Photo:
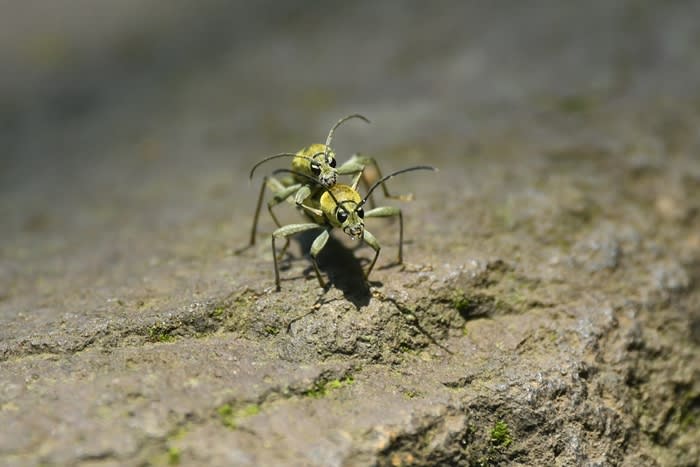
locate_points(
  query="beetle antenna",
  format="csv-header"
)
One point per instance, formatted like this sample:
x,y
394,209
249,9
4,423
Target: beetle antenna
x,y
298,174
277,156
391,175
340,122
310,179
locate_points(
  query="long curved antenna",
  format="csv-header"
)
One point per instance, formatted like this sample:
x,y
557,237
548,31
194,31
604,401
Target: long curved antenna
x,y
299,174
277,156
340,122
310,179
391,175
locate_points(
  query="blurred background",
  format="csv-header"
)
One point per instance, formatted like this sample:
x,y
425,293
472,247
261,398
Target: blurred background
x,y
124,118
82,77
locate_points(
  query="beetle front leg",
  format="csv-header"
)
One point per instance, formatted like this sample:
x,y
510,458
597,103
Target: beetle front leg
x,y
281,192
389,211
371,240
302,193
316,248
285,232
352,166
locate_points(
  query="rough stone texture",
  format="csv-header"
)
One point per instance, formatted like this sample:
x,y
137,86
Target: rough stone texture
x,y
548,311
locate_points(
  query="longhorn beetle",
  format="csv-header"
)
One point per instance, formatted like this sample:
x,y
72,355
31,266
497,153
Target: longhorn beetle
x,y
313,168
340,206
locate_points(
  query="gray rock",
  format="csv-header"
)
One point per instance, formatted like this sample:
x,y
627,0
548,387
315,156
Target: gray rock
x,y
546,313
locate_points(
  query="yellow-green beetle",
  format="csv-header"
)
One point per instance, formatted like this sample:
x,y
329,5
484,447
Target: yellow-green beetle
x,y
313,168
340,206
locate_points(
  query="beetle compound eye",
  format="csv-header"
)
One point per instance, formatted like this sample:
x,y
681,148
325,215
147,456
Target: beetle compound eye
x,y
315,168
342,216
360,212
331,162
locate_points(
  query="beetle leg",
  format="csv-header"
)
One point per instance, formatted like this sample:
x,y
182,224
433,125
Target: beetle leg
x,y
371,241
285,232
281,193
316,248
356,165
367,161
301,194
389,211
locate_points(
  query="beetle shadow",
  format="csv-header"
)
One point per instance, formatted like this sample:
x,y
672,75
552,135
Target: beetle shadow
x,y
342,268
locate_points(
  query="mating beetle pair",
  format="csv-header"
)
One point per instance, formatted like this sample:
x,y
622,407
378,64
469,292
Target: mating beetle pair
x,y
312,181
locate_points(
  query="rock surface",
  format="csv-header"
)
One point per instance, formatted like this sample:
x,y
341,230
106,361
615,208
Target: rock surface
x,y
548,311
